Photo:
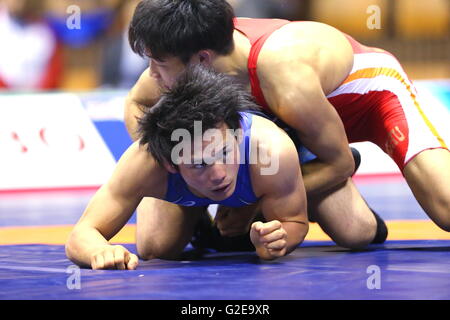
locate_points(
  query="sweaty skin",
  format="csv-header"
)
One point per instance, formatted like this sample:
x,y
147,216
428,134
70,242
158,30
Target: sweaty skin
x,y
298,65
281,196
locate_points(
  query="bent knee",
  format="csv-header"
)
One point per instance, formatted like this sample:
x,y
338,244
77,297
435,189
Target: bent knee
x,y
444,224
145,256
440,213
144,253
353,243
149,253
357,240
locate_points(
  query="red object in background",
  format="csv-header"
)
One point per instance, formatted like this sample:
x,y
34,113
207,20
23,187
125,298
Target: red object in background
x,y
2,84
32,56
53,72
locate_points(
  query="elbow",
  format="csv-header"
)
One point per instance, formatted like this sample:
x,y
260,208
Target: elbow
x,y
74,250
296,237
348,170
71,246
301,237
347,164
345,168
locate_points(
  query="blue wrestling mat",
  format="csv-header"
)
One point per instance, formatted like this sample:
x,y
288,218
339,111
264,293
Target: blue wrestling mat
x,y
317,270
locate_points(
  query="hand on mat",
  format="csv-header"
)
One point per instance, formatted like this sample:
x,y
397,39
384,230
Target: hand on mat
x,y
232,222
269,239
114,257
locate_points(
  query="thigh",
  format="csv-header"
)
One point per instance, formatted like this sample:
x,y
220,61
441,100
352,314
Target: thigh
x,y
343,214
163,228
231,231
428,175
393,118
236,221
404,130
378,103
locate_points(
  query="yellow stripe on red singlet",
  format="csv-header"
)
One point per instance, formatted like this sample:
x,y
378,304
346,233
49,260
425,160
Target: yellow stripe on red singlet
x,y
390,72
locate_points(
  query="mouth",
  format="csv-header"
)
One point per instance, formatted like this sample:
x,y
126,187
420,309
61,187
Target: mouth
x,y
222,189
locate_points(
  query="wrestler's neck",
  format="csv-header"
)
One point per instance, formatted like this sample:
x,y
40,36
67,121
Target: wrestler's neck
x,y
235,63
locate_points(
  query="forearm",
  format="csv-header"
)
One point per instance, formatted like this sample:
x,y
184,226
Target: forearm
x,y
82,243
132,112
296,233
319,177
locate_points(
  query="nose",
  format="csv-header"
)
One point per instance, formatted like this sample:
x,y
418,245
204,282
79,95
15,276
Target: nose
x,y
217,173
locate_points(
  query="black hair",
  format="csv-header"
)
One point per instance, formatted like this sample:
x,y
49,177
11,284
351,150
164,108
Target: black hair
x,y
181,28
200,94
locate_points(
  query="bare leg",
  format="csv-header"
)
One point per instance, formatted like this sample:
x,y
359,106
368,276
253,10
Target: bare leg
x,y
428,176
236,221
230,231
344,215
164,229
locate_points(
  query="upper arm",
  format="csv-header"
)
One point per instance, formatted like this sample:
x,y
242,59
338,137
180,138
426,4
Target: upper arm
x,y
283,192
144,94
298,99
285,206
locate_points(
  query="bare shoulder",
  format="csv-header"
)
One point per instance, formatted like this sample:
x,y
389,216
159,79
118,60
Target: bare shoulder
x,y
138,172
305,45
144,94
310,35
274,158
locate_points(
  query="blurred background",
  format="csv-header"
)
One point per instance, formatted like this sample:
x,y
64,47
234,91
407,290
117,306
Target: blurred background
x,y
81,45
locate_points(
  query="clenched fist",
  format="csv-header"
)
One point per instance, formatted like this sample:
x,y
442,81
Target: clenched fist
x,y
114,257
269,239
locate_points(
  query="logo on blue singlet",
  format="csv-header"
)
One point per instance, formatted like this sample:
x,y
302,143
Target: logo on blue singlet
x,y
188,203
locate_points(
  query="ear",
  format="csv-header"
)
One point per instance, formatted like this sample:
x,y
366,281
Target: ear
x,y
170,167
204,57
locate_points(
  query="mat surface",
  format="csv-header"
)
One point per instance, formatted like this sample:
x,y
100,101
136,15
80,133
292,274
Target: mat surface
x,y
414,263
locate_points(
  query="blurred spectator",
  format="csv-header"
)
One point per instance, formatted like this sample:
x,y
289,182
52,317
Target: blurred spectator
x,y
121,67
30,56
94,18
256,8
282,9
82,26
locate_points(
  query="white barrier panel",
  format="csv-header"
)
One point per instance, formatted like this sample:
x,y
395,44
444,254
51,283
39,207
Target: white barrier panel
x,y
48,141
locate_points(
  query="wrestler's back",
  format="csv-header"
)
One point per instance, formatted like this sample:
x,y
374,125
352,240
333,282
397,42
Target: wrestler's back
x,y
326,50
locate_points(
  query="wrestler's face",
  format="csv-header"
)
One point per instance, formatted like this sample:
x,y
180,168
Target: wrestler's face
x,y
166,71
211,171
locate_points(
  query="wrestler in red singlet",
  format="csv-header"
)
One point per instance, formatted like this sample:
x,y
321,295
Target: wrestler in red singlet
x,y
376,102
